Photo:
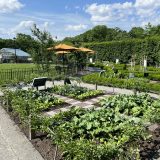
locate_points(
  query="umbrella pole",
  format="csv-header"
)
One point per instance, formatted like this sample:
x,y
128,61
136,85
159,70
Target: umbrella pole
x,y
96,56
63,64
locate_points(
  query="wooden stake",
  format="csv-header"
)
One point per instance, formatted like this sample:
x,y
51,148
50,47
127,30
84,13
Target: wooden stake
x,y
29,129
55,154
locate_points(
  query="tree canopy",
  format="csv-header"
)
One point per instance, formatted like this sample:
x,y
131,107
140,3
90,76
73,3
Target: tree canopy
x,y
102,33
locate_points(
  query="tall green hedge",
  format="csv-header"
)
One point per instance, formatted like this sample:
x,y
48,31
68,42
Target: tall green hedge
x,y
109,51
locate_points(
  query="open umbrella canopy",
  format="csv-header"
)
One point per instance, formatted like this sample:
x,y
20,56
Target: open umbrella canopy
x,y
86,50
62,52
50,49
63,47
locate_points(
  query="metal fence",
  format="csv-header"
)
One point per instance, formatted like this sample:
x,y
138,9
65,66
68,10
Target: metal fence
x,y
18,74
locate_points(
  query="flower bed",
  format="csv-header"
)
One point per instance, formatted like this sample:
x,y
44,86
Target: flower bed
x,y
80,93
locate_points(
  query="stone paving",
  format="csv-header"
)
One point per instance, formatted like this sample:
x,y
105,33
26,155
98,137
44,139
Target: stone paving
x,y
88,104
13,144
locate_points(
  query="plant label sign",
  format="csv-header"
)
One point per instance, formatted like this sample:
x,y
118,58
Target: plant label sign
x,y
117,61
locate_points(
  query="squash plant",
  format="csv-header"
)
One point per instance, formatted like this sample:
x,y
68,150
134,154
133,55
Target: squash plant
x,y
109,133
100,134
130,105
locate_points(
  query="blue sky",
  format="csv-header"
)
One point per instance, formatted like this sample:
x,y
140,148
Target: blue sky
x,y
71,17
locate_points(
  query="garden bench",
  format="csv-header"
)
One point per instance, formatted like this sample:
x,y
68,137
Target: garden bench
x,y
38,82
94,69
67,81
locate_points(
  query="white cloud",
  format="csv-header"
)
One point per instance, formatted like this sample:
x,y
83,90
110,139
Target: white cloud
x,y
147,8
147,3
10,5
2,31
24,27
55,23
21,27
156,21
131,12
26,24
76,27
47,24
109,12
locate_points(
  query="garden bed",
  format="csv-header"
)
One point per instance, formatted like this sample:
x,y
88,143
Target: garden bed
x,y
76,92
44,145
46,148
138,84
118,130
43,101
150,149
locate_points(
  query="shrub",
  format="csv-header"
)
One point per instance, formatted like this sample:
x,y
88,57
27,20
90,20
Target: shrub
x,y
138,84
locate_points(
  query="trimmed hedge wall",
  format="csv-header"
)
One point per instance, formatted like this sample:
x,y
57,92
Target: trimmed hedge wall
x,y
109,51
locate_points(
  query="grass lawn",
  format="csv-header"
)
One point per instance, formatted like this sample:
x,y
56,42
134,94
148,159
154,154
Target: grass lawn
x,y
16,65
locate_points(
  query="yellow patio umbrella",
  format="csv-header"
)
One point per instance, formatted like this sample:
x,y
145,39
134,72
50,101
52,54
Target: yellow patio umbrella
x,y
50,48
86,50
61,52
63,47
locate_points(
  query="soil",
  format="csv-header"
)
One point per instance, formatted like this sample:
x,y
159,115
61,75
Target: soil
x,y
46,148
150,149
41,142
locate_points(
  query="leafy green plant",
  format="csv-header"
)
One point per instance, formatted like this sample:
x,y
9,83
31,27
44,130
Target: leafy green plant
x,y
29,105
76,92
139,84
96,134
112,132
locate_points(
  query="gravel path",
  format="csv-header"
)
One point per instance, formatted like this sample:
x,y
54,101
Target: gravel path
x,y
13,143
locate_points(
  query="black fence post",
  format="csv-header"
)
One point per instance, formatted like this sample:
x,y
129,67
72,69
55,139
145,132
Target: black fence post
x,y
11,74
